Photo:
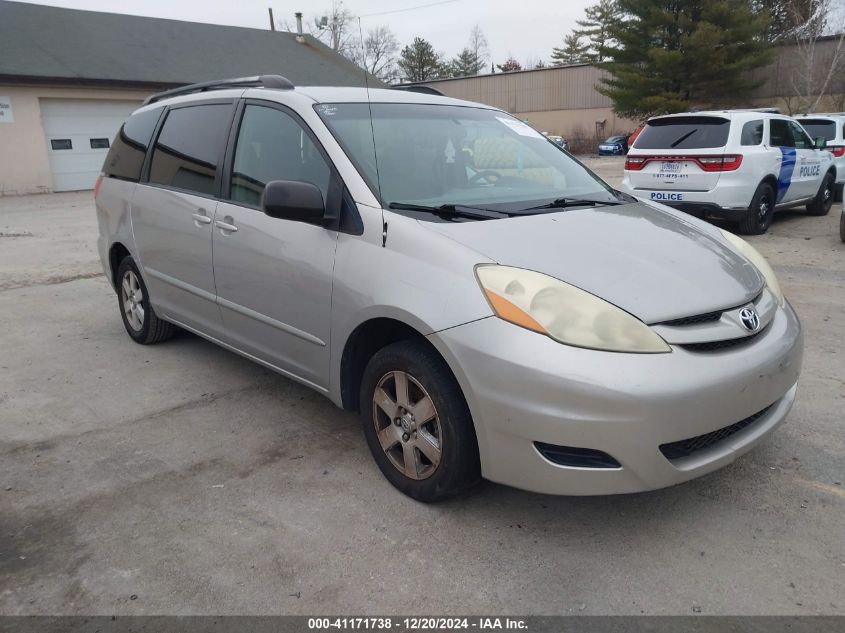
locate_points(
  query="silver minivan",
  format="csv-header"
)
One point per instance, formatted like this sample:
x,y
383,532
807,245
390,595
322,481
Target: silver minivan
x,y
489,306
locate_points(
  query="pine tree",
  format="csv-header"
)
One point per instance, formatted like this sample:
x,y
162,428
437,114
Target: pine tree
x,y
596,28
573,51
420,62
669,55
466,64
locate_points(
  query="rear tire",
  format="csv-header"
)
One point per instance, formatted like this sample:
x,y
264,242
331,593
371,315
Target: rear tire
x,y
757,219
842,226
133,299
417,423
824,198
838,195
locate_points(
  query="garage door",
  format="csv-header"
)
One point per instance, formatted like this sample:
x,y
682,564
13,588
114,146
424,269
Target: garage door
x,y
79,133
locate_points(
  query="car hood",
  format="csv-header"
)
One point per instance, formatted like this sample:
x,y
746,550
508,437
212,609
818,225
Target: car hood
x,y
654,263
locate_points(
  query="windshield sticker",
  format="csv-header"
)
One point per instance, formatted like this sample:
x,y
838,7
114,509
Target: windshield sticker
x,y
327,110
449,152
519,127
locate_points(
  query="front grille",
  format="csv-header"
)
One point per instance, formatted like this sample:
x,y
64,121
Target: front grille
x,y
713,346
576,457
685,448
695,320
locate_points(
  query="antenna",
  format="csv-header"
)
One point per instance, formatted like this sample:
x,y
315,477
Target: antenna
x,y
372,129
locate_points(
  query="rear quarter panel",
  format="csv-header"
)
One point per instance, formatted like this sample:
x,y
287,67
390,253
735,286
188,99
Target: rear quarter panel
x,y
114,205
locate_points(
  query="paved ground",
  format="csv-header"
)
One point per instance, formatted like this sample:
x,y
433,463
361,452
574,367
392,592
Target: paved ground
x,y
181,478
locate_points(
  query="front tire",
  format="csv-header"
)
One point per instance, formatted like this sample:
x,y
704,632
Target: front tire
x,y
842,227
757,219
824,198
140,320
417,423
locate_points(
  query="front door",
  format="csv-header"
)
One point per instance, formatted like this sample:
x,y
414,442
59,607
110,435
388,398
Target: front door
x,y
274,277
808,174
172,215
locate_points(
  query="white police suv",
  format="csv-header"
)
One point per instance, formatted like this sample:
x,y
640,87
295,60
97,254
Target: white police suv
x,y
740,165
830,127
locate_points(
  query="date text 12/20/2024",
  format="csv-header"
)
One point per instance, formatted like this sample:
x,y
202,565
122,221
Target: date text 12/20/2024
x,y
416,624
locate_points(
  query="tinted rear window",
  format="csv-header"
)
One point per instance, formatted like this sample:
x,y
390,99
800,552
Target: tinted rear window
x,y
126,156
190,146
819,127
684,133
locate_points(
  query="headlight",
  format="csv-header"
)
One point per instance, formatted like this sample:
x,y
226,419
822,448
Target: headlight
x,y
758,261
563,312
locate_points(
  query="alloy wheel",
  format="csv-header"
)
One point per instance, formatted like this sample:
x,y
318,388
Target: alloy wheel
x,y
132,299
407,425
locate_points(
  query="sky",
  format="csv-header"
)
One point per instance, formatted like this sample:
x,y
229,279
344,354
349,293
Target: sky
x,y
526,29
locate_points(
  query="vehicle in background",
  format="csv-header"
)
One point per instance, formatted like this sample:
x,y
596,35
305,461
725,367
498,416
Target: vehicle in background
x,y
739,165
830,127
557,140
614,146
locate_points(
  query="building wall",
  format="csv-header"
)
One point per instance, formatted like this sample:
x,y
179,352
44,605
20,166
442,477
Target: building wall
x,y
23,147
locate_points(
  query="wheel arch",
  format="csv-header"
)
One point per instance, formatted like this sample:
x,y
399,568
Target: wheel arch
x,y
117,252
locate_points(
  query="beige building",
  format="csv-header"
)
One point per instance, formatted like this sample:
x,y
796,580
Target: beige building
x,y
69,78
564,100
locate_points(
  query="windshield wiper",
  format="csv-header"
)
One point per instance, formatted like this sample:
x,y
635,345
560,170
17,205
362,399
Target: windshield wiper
x,y
564,203
683,138
451,210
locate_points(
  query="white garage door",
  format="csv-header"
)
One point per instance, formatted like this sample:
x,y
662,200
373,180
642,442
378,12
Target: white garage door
x,y
79,133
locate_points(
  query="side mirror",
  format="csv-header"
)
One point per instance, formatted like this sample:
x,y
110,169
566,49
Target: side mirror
x,y
294,200
820,142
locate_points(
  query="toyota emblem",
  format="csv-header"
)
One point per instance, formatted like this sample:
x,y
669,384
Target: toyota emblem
x,y
749,319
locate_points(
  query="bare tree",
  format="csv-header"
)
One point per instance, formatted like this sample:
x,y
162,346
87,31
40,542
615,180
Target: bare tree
x,y
379,54
478,45
336,27
817,63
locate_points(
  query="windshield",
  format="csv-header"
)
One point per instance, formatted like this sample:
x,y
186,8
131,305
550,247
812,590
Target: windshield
x,y
441,154
691,132
819,128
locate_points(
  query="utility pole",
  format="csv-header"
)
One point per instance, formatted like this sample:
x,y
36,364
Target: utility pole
x,y
272,21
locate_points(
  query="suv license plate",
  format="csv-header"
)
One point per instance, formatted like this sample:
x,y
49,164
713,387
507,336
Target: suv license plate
x,y
670,167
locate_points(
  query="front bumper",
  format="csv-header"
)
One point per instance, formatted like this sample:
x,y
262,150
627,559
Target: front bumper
x,y
523,388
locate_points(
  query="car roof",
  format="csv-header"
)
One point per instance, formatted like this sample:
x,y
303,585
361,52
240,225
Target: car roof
x,y
322,94
822,115
731,115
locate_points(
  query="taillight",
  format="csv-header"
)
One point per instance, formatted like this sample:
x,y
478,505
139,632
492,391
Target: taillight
x,y
97,184
720,163
635,163
837,150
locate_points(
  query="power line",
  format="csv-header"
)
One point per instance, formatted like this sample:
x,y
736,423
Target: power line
x,y
419,6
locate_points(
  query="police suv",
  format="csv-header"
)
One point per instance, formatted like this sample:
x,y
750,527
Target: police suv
x,y
740,165
831,127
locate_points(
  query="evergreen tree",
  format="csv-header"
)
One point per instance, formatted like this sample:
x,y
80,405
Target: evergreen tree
x,y
669,55
573,51
466,64
596,27
420,62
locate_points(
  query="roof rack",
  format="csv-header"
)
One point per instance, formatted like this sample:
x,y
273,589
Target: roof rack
x,y
426,90
260,81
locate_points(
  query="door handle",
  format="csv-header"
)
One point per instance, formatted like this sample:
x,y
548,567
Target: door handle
x,y
225,226
201,218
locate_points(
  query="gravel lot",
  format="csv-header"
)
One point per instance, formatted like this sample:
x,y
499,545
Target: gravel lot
x,y
181,478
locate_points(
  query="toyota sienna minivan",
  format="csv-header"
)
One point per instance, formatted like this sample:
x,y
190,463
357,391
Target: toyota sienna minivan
x,y
490,307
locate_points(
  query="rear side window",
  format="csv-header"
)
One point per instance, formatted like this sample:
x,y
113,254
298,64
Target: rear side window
x,y
126,156
820,127
693,132
752,133
190,147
